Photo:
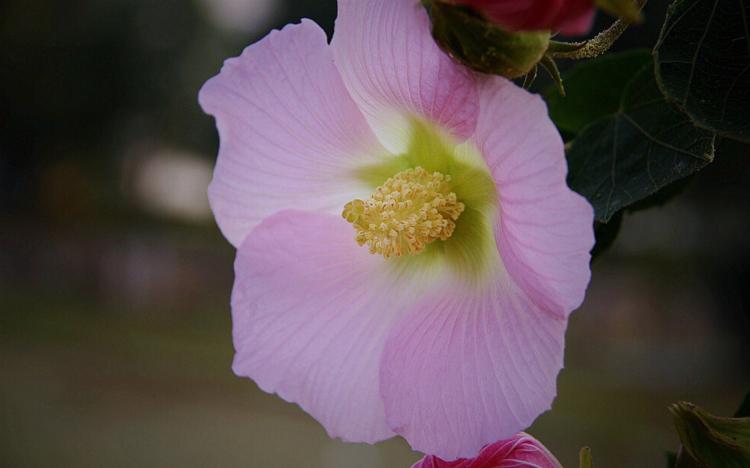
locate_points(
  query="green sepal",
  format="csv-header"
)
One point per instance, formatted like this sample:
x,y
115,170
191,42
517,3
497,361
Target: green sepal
x,y
484,46
711,440
551,67
530,78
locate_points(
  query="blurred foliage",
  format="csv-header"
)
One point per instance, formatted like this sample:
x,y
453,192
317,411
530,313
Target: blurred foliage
x,y
88,84
82,81
703,63
644,146
594,89
744,410
710,441
630,142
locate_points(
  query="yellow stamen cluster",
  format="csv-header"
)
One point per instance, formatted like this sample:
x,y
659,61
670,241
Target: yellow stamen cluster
x,y
407,212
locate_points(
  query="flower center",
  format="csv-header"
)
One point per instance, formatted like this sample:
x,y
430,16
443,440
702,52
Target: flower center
x,y
410,210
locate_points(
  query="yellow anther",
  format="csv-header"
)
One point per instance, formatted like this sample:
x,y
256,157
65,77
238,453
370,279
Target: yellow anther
x,y
407,212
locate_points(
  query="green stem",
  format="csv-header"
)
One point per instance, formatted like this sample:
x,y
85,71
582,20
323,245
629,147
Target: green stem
x,y
598,44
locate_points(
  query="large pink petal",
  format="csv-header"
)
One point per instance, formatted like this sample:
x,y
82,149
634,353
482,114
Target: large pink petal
x,y
394,69
468,367
311,311
544,231
290,132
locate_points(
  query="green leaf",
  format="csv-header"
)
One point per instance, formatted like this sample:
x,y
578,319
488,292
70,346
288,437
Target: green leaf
x,y
594,89
605,234
684,460
584,457
482,45
671,460
712,441
703,63
744,409
642,147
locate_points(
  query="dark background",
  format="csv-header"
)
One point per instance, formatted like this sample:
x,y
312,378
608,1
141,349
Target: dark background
x,y
115,343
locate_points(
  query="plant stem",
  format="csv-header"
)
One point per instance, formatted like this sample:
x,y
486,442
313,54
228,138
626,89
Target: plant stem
x,y
598,44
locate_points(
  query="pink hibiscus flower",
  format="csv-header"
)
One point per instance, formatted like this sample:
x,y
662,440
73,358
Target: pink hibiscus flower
x,y
436,307
520,451
572,17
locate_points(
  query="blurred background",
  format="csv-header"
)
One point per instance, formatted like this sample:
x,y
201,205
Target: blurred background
x,y
115,344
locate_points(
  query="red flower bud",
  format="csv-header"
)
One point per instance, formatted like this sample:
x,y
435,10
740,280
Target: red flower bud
x,y
521,450
571,17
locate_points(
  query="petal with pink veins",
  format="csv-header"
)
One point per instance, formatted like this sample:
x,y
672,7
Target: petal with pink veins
x,y
290,133
544,230
467,367
474,363
395,71
311,311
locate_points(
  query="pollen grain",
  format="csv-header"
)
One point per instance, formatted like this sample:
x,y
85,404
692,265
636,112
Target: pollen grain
x,y
405,214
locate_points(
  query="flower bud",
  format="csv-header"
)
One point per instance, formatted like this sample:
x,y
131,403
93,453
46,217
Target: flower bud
x,y
519,450
484,46
570,17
